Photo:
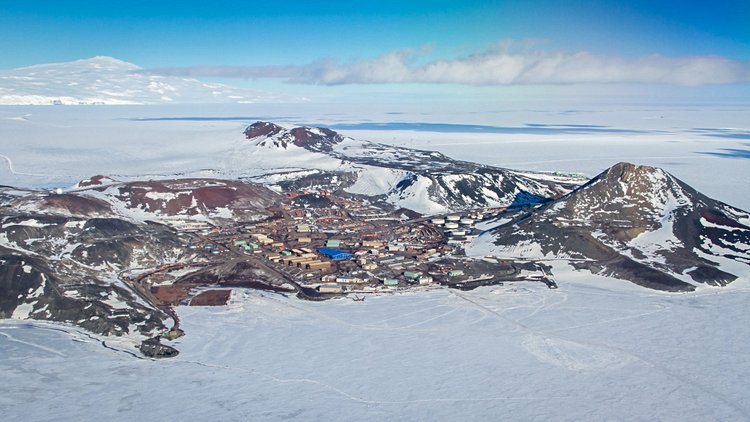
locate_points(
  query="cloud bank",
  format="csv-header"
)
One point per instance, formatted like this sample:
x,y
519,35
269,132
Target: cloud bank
x,y
494,67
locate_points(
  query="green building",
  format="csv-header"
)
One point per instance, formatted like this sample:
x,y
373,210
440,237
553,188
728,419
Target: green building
x,y
412,274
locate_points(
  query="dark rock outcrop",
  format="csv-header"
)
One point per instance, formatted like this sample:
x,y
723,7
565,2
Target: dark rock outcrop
x,y
154,349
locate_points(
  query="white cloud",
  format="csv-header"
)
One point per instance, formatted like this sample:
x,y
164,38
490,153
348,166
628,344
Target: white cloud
x,y
497,67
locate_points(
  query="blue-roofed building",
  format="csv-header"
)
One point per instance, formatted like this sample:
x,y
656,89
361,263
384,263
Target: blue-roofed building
x,y
334,254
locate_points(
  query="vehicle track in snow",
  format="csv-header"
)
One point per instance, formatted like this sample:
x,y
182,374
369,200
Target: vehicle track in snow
x,y
364,400
28,343
567,353
13,170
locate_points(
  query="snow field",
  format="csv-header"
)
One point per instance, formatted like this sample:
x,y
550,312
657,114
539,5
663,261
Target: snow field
x,y
519,351
58,146
595,349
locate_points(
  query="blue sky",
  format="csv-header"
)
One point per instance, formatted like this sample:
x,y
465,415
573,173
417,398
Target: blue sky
x,y
339,42
184,33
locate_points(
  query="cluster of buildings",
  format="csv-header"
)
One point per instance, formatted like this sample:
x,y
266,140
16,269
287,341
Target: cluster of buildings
x,y
459,230
350,245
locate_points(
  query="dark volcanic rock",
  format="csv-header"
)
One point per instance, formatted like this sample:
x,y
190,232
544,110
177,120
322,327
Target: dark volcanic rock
x,y
315,139
20,278
110,226
154,349
258,129
711,275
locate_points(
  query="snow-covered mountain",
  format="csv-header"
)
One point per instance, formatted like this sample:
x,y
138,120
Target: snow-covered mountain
x,y
424,181
106,80
636,223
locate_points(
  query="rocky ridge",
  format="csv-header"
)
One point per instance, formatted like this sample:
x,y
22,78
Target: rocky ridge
x,y
424,181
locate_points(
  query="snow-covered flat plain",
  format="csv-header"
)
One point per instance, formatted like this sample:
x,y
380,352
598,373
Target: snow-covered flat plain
x,y
513,352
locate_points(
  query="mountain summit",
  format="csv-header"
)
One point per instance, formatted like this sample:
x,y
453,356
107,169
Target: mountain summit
x,y
637,223
316,139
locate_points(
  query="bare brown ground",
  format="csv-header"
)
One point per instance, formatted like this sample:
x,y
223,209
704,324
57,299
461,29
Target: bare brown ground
x,y
171,295
211,298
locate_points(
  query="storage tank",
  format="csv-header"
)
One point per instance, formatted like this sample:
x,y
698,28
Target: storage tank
x,y
451,225
467,221
438,221
453,218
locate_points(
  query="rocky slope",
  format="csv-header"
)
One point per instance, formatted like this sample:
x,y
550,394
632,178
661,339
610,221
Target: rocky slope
x,y
424,181
194,199
63,256
66,269
636,223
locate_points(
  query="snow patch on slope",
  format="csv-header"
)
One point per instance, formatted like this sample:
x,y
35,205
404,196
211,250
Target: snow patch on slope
x,y
374,181
417,197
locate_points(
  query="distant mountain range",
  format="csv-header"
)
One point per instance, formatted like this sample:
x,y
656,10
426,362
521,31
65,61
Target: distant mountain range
x,y
106,80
